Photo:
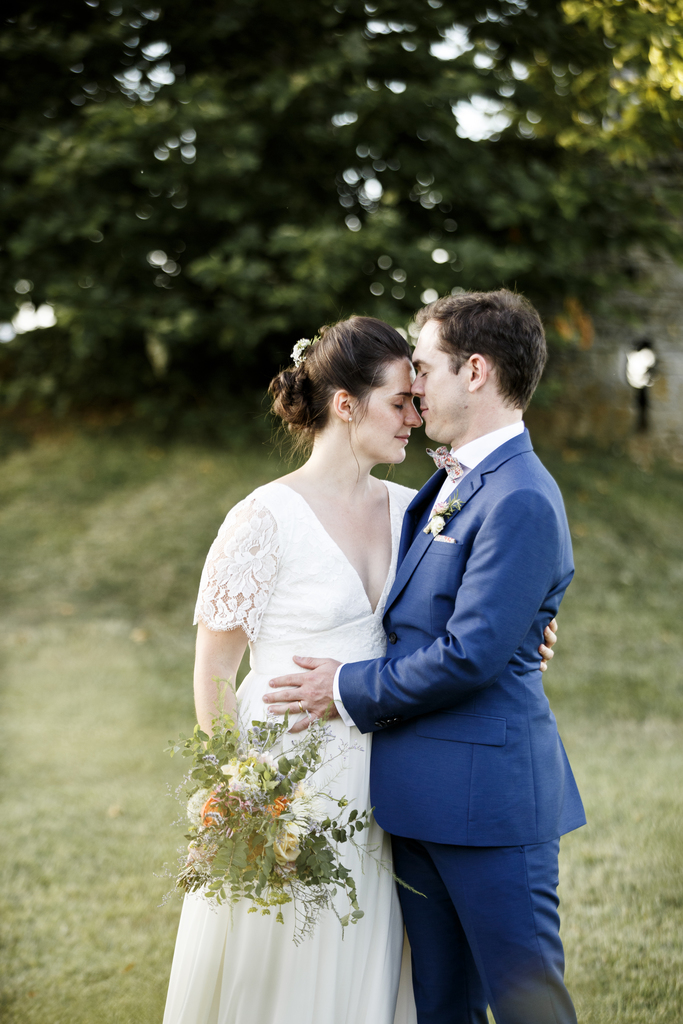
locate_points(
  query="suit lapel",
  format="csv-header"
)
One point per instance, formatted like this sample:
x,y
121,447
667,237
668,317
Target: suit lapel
x,y
421,540
415,510
410,556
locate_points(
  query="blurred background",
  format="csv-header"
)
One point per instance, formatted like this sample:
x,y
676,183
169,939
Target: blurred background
x,y
186,190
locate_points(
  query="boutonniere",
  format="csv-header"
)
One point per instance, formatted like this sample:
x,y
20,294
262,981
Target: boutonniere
x,y
442,511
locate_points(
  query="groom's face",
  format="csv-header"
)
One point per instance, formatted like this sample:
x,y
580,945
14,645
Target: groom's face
x,y
444,395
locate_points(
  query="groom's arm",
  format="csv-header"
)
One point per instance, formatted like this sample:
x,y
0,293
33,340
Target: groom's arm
x,y
510,575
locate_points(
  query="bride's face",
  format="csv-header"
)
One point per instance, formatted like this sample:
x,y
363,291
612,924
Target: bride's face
x,y
383,429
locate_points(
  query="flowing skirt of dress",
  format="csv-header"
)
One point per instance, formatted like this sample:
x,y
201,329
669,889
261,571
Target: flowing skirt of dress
x,y
247,970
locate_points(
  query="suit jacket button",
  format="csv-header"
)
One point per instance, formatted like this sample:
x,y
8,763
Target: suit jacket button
x,y
392,638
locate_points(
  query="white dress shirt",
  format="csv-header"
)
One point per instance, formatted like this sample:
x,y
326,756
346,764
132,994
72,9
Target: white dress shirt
x,y
469,456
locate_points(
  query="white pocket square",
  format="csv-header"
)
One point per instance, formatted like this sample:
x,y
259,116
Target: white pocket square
x,y
444,540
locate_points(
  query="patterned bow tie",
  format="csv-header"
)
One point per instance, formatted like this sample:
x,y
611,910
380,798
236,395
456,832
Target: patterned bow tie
x,y
444,459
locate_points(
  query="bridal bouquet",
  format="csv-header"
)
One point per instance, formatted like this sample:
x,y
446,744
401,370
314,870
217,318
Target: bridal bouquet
x,y
258,824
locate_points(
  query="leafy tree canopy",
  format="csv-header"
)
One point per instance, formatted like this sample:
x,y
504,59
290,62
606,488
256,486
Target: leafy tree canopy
x,y
191,187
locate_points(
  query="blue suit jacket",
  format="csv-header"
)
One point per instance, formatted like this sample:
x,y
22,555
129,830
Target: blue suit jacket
x,y
466,748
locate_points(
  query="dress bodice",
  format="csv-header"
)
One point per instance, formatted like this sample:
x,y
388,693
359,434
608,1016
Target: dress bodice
x,y
275,572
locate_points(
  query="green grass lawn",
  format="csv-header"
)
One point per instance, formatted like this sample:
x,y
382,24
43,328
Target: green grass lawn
x,y
102,540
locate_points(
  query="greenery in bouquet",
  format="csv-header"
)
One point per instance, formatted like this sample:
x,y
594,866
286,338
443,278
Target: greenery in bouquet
x,y
262,826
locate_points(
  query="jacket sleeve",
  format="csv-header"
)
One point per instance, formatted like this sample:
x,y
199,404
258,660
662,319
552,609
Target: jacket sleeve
x,y
512,570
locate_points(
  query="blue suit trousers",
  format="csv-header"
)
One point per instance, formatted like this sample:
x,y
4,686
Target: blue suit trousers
x,y
488,932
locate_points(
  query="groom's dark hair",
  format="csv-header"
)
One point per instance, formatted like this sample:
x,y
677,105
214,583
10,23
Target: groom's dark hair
x,y
501,325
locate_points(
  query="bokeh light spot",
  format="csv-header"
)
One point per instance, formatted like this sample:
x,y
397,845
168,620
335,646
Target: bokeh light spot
x,y
157,257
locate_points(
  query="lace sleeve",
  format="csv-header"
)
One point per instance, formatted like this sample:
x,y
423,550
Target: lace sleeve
x,y
240,570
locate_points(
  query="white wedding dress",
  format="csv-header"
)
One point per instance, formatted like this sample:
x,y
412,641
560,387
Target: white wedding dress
x,y
274,571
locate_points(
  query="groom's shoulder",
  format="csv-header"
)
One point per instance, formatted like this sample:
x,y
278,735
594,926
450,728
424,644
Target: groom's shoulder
x,y
525,471
522,500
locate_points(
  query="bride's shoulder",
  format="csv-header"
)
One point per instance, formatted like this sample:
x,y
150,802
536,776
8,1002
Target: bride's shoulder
x,y
259,502
401,495
274,494
254,521
273,498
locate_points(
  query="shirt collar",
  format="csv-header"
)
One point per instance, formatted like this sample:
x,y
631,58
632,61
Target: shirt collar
x,y
474,452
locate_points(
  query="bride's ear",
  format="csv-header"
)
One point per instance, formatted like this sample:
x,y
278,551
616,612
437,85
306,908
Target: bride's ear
x,y
342,406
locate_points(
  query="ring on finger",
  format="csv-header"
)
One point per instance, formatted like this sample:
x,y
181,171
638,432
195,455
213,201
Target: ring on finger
x,y
302,709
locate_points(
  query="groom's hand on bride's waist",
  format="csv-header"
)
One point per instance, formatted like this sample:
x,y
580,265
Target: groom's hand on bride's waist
x,y
307,695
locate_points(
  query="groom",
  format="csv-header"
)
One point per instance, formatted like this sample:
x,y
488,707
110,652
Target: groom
x,y
468,772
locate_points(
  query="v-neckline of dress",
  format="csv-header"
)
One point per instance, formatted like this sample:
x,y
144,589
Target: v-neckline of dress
x,y
341,551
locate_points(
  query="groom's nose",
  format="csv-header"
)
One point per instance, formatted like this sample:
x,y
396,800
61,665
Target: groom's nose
x,y
413,418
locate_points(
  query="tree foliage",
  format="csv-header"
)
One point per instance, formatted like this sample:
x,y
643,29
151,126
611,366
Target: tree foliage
x,y
192,187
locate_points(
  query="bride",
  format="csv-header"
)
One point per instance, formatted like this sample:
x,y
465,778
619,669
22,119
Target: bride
x,y
304,565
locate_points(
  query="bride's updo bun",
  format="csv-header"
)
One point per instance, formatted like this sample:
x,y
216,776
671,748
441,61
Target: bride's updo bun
x,y
351,355
290,391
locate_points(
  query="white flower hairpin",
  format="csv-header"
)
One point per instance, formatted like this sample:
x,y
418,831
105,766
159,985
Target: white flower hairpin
x,y
300,350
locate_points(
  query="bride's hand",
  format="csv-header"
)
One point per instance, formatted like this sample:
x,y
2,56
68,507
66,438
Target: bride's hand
x,y
545,650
